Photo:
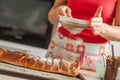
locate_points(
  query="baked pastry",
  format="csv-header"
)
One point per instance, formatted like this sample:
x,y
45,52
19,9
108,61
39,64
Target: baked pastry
x,y
55,65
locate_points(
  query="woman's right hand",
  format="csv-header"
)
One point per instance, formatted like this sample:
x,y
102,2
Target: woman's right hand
x,y
54,13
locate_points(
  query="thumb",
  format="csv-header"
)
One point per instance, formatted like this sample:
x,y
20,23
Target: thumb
x,y
98,12
68,11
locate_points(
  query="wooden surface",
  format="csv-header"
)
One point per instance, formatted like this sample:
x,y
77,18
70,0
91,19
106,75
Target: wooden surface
x,y
89,75
21,73
12,72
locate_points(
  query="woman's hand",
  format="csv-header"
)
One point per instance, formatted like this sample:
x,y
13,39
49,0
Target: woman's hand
x,y
97,22
60,10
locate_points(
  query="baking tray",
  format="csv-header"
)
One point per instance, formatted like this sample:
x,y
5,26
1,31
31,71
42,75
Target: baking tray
x,y
36,73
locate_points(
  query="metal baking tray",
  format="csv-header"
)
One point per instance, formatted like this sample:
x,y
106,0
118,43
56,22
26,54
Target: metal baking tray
x,y
32,72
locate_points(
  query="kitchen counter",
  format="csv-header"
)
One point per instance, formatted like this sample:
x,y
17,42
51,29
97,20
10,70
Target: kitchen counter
x,y
13,72
6,75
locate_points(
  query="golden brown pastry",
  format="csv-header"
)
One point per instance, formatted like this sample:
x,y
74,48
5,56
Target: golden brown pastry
x,y
55,65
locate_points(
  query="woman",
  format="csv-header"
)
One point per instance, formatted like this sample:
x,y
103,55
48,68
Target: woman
x,y
101,14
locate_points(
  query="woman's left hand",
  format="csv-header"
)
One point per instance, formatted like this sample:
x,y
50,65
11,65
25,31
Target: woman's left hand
x,y
97,22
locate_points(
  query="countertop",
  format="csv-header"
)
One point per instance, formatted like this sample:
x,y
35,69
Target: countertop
x,y
13,72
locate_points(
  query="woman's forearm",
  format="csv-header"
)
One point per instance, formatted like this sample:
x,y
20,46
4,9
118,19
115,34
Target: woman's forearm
x,y
110,32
